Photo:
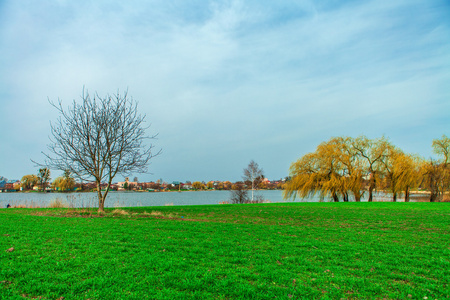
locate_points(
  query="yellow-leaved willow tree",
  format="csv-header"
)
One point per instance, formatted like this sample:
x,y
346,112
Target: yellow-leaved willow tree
x,y
346,167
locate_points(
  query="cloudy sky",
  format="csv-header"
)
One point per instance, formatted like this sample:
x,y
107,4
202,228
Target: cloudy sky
x,y
225,82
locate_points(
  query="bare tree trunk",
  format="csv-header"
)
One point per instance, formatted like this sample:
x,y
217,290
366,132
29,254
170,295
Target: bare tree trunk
x,y
394,197
101,198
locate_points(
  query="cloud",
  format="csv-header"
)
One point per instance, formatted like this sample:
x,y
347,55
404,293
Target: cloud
x,y
224,82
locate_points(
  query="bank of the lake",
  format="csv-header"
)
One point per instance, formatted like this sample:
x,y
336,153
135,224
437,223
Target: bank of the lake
x,y
137,199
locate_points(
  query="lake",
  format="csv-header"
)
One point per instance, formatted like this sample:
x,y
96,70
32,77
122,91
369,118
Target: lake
x,y
132,199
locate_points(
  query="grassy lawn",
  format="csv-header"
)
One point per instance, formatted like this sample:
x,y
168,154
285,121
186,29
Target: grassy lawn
x,y
257,251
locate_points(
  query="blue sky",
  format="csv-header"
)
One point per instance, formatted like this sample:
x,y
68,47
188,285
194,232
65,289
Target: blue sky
x,y
225,82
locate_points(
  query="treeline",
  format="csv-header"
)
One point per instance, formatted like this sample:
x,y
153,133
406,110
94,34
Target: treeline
x,y
42,181
343,167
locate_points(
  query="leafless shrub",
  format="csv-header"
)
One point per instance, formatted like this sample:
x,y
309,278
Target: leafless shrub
x,y
58,203
257,199
239,195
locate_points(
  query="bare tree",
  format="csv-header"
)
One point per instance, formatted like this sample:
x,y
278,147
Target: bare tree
x,y
252,173
99,138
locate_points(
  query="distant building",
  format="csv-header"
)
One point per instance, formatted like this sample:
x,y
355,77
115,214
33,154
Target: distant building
x,y
131,185
8,185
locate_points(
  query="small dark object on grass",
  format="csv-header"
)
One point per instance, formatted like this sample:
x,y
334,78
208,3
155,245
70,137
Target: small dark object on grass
x,y
8,206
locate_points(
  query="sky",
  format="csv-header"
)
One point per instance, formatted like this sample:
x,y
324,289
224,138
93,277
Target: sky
x,y
226,82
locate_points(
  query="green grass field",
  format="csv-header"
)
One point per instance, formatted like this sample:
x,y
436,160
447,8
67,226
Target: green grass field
x,y
256,251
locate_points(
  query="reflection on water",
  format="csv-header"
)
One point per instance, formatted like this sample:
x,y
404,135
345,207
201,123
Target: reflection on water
x,y
130,199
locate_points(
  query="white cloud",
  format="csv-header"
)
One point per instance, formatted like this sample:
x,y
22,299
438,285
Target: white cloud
x,y
226,81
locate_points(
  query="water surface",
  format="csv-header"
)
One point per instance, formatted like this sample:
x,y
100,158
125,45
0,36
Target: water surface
x,y
132,199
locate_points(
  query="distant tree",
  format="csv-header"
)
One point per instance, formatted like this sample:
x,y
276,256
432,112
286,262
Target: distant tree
x,y
305,177
393,169
239,194
436,173
352,167
29,181
434,178
338,168
407,171
253,173
237,185
197,185
442,148
64,183
99,138
373,152
327,171
227,185
56,184
135,179
44,178
154,185
210,185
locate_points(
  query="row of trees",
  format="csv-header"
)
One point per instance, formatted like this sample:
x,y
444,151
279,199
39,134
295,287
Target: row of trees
x,y
66,182
345,166
42,180
101,137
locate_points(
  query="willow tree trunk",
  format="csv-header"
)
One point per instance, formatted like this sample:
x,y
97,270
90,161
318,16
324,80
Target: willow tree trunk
x,y
370,193
407,194
372,186
335,197
345,197
357,194
434,197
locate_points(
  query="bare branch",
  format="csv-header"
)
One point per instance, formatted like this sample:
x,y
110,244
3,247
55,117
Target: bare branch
x,y
99,138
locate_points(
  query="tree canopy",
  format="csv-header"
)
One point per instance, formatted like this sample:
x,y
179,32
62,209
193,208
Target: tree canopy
x,y
345,166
